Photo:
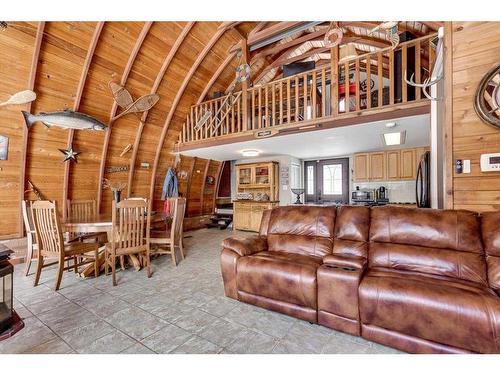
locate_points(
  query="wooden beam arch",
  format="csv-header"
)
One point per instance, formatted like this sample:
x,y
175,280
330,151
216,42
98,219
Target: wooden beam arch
x,y
114,108
31,86
175,103
76,104
166,63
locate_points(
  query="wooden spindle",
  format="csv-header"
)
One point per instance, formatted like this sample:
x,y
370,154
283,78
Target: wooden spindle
x,y
253,110
323,92
281,103
347,102
260,108
334,81
313,94
380,78
296,99
238,115
356,81
305,80
368,82
273,103
266,112
404,70
289,101
391,77
417,69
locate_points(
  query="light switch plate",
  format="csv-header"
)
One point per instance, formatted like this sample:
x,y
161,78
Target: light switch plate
x,y
466,167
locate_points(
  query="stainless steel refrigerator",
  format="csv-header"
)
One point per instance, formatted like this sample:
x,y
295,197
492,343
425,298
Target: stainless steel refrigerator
x,y
423,181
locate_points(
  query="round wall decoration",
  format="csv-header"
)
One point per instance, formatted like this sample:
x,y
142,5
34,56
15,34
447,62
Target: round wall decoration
x,y
242,72
183,175
210,180
487,99
333,37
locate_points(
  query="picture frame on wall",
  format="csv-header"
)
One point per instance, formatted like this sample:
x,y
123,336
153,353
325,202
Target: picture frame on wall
x,y
4,147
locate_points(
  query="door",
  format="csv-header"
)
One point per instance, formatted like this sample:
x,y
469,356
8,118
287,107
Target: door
x,y
393,165
327,181
408,164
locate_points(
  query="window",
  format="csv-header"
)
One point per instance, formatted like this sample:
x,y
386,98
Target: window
x,y
295,181
332,179
310,180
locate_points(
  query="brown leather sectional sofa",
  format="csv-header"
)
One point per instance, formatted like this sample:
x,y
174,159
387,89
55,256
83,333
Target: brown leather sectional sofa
x,y
420,280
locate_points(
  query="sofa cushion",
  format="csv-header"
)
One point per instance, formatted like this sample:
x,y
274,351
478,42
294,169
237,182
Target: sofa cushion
x,y
280,276
436,308
490,229
306,230
352,226
437,242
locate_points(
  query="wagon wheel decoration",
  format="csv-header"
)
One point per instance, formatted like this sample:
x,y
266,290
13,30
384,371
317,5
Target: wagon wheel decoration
x,y
487,98
334,35
242,72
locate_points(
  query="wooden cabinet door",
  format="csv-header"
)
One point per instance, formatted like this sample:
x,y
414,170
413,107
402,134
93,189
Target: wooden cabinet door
x,y
257,211
393,164
241,216
361,172
408,164
377,166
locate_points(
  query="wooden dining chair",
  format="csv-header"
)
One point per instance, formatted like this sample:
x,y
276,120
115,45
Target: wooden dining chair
x,y
167,241
129,235
83,210
31,247
50,240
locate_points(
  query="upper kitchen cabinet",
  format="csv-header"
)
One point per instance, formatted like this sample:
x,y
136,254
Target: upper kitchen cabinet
x,y
392,165
377,166
408,165
361,167
393,168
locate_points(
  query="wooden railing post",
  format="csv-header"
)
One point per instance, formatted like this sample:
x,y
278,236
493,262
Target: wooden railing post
x,y
334,81
244,85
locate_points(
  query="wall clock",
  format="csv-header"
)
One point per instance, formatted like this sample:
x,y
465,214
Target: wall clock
x,y
487,99
4,147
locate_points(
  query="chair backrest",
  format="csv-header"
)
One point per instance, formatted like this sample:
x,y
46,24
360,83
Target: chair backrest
x,y
28,219
49,236
131,224
81,210
178,209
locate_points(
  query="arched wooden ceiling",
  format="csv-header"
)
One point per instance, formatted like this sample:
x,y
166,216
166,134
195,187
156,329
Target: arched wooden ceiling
x,y
70,64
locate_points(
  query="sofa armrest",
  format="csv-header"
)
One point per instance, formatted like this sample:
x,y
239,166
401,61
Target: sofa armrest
x,y
338,282
346,262
245,245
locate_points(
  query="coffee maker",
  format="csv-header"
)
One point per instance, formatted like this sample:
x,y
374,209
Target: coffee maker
x,y
382,194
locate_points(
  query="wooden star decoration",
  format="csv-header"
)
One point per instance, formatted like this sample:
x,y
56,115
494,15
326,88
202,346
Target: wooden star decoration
x,y
69,154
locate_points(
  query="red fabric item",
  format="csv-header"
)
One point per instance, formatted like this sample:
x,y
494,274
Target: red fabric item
x,y
166,206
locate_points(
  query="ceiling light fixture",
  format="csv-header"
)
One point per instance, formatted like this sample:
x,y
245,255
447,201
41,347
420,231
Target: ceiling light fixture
x,y
393,139
390,125
250,152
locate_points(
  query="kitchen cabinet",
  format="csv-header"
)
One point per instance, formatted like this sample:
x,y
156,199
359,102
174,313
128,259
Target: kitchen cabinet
x,y
257,180
361,172
408,165
393,165
377,166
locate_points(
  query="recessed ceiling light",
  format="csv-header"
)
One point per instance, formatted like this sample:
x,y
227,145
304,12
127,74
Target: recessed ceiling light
x,y
390,125
392,139
250,152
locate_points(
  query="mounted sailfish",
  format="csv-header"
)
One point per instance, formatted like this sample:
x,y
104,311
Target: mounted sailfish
x,y
66,119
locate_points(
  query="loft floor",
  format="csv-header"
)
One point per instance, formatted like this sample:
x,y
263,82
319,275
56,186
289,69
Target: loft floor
x,y
179,310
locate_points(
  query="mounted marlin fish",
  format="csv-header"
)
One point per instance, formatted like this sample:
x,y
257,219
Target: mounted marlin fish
x,y
66,119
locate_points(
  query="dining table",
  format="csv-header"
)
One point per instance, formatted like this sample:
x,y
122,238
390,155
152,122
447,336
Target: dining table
x,y
103,223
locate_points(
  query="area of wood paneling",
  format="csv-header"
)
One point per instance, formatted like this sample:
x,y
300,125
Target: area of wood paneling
x,y
476,48
143,57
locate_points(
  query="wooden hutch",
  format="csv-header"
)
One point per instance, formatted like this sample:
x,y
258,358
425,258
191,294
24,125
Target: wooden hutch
x,y
260,181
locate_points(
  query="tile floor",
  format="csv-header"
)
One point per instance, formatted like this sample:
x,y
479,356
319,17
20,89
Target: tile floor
x,y
179,310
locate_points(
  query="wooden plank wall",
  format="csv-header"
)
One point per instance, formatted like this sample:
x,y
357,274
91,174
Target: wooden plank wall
x,y
476,48
58,69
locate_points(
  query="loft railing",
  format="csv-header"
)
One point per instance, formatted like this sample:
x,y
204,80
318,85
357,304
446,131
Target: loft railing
x,y
374,81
